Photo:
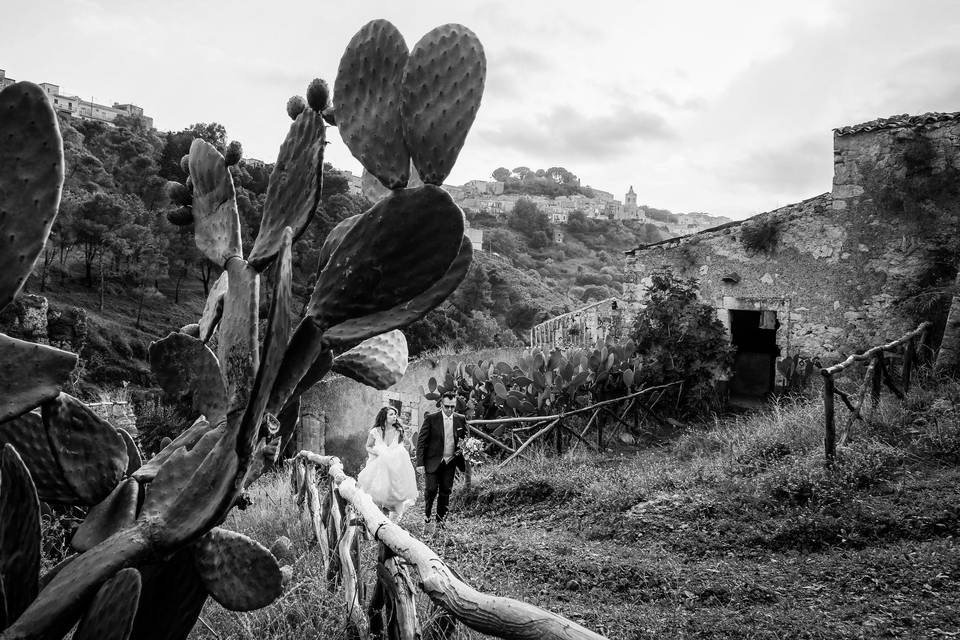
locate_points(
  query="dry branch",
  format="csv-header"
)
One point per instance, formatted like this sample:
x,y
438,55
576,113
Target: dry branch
x,y
494,615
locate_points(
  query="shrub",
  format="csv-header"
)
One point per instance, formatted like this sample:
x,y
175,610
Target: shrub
x,y
681,339
760,236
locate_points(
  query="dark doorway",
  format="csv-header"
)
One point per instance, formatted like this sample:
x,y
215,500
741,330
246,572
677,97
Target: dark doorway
x,y
754,334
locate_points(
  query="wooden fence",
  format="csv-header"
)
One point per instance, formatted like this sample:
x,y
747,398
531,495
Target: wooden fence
x,y
390,610
543,426
876,375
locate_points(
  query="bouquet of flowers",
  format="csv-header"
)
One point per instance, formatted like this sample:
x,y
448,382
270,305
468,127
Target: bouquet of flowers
x,y
473,450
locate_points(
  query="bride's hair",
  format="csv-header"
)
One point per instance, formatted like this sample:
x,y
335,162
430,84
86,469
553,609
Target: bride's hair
x,y
381,422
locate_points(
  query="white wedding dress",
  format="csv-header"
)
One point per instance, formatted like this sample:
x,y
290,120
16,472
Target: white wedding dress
x,y
388,476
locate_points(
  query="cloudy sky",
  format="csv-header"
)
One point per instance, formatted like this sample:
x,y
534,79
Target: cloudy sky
x,y
723,107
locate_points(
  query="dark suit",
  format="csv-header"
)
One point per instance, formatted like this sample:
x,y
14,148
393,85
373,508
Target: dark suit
x,y
439,474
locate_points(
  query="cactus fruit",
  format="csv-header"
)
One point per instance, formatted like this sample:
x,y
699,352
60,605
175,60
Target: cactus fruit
x,y
216,220
19,533
179,194
185,164
111,614
377,362
442,86
318,95
366,96
30,374
239,573
181,216
330,116
192,329
31,162
294,189
371,260
233,153
295,106
410,310
188,371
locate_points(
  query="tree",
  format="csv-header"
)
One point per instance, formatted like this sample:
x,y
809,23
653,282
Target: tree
x,y
681,339
213,132
527,219
522,173
474,293
98,226
153,264
501,174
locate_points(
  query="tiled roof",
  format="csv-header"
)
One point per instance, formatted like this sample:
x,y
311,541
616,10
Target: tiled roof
x,y
895,122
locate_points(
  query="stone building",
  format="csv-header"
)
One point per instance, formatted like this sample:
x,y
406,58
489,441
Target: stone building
x,y
84,109
824,278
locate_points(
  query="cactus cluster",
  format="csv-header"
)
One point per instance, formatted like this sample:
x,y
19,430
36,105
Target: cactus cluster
x,y
541,382
150,550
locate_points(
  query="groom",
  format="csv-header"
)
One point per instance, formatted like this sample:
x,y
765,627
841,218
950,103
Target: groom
x,y
437,455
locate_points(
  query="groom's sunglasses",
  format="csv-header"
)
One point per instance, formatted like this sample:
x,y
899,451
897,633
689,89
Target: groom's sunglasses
x,y
449,406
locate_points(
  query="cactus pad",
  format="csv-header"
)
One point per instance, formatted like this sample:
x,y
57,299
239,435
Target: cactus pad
x,y
187,371
334,238
366,97
306,361
213,308
91,453
189,438
216,220
294,189
277,336
408,311
117,512
171,599
28,435
4,618
111,614
241,574
442,86
31,179
377,362
19,533
134,459
371,271
30,374
238,348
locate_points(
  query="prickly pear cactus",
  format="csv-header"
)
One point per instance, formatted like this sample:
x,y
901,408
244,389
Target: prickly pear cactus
x,y
150,551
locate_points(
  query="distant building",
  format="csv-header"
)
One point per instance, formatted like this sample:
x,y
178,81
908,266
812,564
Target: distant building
x,y
84,109
475,236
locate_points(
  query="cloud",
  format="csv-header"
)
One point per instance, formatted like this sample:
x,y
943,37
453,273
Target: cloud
x,y
566,131
509,69
803,166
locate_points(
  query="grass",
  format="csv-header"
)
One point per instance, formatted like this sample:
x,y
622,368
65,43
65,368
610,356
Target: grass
x,y
733,530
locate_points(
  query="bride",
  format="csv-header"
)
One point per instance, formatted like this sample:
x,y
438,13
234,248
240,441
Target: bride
x,y
388,476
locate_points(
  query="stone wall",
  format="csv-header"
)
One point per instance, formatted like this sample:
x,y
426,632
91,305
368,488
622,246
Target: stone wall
x,y
338,412
840,260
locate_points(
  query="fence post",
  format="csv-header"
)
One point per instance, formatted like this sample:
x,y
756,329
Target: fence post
x,y
908,356
830,434
877,380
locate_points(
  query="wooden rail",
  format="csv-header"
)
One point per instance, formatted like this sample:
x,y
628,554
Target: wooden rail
x,y
875,376
392,607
